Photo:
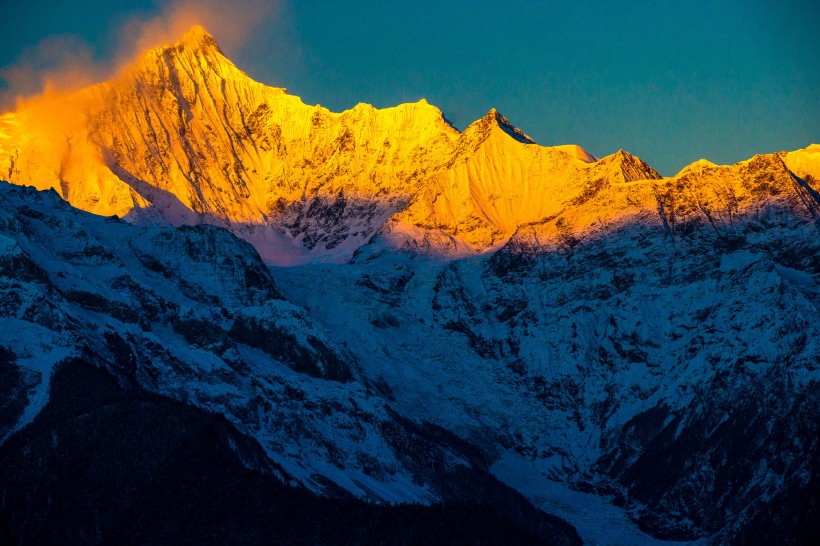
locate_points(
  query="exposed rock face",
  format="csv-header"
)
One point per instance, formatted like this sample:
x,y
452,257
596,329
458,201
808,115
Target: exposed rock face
x,y
644,345
184,136
654,343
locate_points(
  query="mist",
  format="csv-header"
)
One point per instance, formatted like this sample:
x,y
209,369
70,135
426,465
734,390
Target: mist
x,y
61,64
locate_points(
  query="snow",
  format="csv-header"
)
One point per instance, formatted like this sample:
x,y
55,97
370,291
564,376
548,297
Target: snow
x,y
599,522
796,276
38,349
738,260
8,245
577,152
389,222
431,330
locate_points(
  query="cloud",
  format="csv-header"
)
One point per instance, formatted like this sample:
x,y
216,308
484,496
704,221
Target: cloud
x,y
233,26
61,64
56,64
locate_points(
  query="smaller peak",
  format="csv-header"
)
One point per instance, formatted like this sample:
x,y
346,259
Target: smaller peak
x,y
631,166
621,156
758,161
495,119
811,148
696,166
577,152
703,163
423,104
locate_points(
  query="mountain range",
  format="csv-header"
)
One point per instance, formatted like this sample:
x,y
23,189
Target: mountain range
x,y
211,290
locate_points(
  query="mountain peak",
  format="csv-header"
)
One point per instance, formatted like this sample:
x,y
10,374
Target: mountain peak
x,y
804,163
196,51
577,152
494,119
198,38
195,42
631,166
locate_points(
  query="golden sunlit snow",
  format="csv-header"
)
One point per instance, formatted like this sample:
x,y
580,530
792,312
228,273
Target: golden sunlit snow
x,y
184,136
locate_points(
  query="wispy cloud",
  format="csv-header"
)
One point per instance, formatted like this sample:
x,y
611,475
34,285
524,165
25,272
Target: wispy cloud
x,y
65,63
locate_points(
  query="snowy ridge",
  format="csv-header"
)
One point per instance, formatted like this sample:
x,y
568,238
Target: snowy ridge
x,y
452,302
177,310
185,137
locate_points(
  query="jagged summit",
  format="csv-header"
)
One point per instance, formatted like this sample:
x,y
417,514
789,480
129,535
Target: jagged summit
x,y
198,37
196,56
494,120
632,167
607,318
698,165
187,137
195,42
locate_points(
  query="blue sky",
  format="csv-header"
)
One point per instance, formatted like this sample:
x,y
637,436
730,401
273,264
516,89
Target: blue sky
x,y
669,82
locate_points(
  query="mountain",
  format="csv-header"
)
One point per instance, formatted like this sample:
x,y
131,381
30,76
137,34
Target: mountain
x,y
462,320
152,357
183,136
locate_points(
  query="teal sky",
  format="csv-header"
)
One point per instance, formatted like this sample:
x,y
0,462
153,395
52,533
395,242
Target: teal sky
x,y
669,82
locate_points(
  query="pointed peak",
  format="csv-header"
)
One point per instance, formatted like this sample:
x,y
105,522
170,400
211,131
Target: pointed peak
x,y
619,157
198,38
196,43
494,116
495,119
424,104
196,33
622,156
631,166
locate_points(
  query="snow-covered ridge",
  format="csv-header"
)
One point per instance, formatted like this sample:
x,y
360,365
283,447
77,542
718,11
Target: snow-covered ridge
x,y
648,341
184,136
192,313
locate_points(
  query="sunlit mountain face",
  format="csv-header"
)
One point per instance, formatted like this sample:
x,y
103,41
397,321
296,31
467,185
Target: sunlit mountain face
x,y
226,315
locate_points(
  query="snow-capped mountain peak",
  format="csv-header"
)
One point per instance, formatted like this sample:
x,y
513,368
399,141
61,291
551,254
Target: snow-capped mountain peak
x,y
636,353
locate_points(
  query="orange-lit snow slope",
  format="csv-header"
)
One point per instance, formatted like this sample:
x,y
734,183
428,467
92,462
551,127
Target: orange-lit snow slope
x,y
184,136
